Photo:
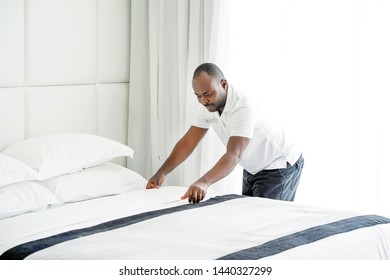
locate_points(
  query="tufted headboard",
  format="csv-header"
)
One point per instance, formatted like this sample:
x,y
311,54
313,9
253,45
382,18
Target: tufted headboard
x,y
64,67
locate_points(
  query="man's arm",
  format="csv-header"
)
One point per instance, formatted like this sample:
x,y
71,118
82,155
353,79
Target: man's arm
x,y
183,148
234,151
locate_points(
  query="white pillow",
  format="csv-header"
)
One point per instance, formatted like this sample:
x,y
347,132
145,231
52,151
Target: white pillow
x,y
13,171
23,197
102,180
58,154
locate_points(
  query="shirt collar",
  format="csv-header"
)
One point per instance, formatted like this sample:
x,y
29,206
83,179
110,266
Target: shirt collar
x,y
229,99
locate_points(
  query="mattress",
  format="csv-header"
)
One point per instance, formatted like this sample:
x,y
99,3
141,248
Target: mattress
x,y
156,224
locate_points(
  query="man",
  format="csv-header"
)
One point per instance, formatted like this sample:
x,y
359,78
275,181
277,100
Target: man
x,y
272,165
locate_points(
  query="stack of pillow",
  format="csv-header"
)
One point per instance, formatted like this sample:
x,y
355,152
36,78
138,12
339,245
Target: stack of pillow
x,y
60,168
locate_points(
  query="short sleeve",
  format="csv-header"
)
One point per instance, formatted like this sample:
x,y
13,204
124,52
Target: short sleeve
x,y
200,118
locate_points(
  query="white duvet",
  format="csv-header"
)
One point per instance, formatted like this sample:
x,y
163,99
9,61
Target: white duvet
x,y
209,232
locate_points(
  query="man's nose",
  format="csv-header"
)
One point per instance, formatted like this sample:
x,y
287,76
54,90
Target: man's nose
x,y
204,100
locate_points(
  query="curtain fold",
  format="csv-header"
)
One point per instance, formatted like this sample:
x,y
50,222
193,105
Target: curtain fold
x,y
169,39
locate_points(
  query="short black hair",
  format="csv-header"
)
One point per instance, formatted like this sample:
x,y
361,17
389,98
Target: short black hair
x,y
211,69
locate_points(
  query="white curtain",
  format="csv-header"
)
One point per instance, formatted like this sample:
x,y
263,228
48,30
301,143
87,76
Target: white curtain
x,y
169,39
323,69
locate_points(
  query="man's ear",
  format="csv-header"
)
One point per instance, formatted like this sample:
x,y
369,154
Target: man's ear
x,y
224,84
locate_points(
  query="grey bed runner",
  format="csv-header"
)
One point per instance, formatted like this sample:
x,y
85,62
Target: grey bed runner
x,y
23,250
306,236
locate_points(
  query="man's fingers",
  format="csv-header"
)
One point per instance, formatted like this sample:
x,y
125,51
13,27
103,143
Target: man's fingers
x,y
194,195
152,185
155,181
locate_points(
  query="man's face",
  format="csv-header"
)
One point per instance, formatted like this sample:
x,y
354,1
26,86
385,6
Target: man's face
x,y
210,93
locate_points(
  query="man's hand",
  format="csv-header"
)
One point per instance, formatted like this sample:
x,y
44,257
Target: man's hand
x,y
156,181
180,152
196,192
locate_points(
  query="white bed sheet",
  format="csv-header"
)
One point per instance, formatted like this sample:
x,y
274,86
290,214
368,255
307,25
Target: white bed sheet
x,y
204,233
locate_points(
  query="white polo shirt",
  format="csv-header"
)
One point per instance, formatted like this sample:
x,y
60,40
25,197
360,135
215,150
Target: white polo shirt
x,y
269,147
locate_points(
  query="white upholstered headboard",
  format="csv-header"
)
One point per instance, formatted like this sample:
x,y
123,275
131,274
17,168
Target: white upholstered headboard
x,y
64,67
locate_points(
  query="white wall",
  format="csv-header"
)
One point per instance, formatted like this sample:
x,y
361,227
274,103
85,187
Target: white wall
x,y
64,67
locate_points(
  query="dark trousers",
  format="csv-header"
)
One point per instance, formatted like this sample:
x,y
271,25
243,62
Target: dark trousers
x,y
280,184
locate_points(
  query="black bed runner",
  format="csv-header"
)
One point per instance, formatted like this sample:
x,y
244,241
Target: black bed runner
x,y
23,250
305,236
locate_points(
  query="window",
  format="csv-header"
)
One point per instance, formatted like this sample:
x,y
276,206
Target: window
x,y
322,68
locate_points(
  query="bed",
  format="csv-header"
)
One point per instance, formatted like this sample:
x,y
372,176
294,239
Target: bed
x,y
62,197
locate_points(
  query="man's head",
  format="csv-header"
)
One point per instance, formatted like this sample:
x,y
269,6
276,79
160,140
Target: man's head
x,y
210,87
